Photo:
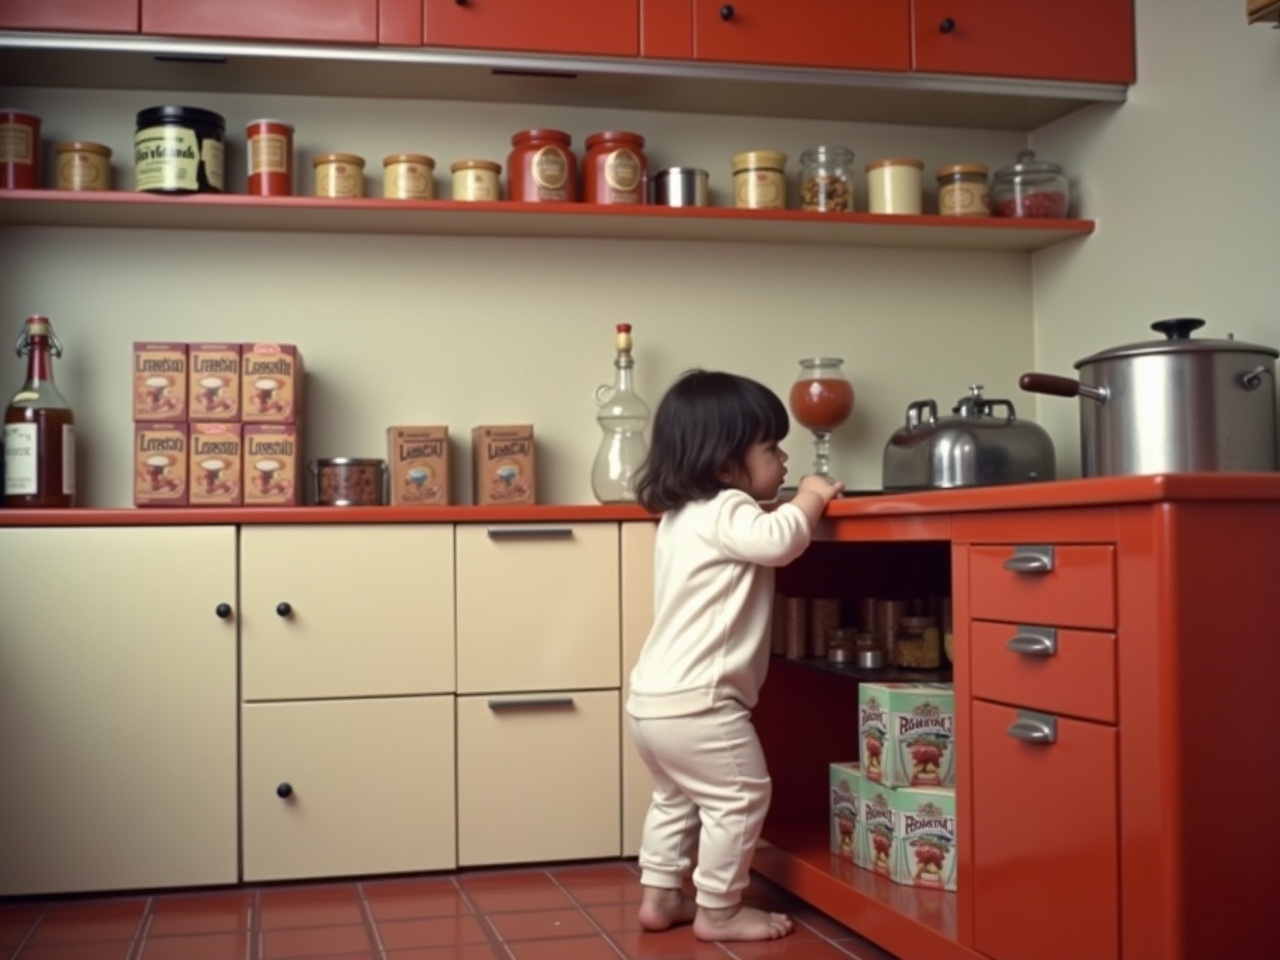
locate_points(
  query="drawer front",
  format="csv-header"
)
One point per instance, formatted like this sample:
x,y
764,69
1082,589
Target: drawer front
x,y
1058,586
539,777
599,27
87,16
336,21
1044,668
1045,815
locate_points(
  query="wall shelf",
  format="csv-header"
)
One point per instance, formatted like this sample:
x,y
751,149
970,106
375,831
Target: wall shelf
x,y
563,220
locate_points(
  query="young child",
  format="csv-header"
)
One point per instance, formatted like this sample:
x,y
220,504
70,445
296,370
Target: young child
x,y
714,456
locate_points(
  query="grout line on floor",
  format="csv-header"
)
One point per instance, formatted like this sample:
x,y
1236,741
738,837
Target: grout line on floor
x,y
583,910
370,925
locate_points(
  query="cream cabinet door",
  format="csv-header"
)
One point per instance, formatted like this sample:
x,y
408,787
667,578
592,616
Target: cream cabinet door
x,y
340,610
538,777
117,708
348,787
637,618
537,607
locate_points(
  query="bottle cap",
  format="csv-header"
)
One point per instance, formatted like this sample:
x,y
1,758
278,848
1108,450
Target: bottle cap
x,y
623,340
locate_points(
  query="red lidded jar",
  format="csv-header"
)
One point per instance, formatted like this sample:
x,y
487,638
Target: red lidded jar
x,y
541,167
19,150
615,169
270,147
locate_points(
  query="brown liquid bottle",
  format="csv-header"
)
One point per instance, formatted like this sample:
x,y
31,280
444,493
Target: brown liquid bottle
x,y
39,428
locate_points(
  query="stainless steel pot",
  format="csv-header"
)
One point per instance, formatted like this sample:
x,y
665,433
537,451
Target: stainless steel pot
x,y
1176,405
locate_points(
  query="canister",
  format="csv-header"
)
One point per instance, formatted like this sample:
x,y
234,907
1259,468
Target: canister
x,y
178,150
19,150
83,165
408,176
270,158
349,482
680,187
826,179
759,180
339,175
615,169
541,167
476,180
894,185
962,190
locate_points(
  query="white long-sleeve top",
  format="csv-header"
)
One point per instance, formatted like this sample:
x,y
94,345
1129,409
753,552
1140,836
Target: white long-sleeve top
x,y
713,597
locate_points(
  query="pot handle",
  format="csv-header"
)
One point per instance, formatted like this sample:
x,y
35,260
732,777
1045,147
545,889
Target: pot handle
x,y
1056,386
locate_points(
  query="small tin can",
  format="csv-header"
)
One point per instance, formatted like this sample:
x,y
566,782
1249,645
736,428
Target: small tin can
x,y
476,180
680,187
408,176
269,144
615,169
893,185
83,165
19,150
349,482
178,150
541,168
962,190
759,180
339,175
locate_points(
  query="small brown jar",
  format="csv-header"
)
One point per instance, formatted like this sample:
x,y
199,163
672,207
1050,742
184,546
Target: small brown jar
x,y
541,168
408,176
962,190
616,168
83,165
339,175
476,180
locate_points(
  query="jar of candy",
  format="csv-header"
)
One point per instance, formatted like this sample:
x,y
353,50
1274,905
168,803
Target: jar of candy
x,y
826,179
1030,188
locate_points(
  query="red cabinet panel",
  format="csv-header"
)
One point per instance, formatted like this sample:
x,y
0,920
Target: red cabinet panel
x,y
595,27
1058,586
1046,867
400,22
847,34
323,21
1089,40
666,29
1044,668
86,16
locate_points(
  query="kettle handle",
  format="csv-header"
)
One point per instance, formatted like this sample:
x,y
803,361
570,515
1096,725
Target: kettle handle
x,y
914,409
993,405
1062,387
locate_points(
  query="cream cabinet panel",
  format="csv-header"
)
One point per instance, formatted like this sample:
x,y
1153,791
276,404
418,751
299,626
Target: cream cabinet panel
x,y
637,618
348,787
346,610
117,708
538,777
537,607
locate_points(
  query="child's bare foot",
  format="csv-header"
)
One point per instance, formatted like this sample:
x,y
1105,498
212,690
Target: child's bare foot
x,y
740,923
661,908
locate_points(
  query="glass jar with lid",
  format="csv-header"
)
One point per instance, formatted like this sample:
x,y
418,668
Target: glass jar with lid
x,y
826,179
1030,188
759,181
962,190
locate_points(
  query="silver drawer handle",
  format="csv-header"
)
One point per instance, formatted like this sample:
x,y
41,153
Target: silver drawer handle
x,y
531,702
1032,727
517,532
1034,642
1030,560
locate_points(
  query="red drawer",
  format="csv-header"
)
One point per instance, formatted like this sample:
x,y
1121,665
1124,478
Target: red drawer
x,y
1069,672
608,28
1057,586
88,16
337,21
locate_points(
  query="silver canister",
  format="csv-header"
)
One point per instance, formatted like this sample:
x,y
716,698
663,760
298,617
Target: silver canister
x,y
680,187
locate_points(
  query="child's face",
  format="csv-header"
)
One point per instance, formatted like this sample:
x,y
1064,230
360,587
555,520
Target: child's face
x,y
765,468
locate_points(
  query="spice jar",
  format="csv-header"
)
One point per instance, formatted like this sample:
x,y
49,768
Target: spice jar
x,y
408,176
962,190
759,180
475,180
918,644
339,175
178,150
796,619
1030,188
826,179
19,150
269,144
893,185
541,168
615,169
83,165
824,618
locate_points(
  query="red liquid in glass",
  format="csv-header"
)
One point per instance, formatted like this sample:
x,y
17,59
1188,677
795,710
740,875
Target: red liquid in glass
x,y
821,404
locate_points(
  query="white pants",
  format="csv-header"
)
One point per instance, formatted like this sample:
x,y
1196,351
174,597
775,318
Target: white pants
x,y
711,792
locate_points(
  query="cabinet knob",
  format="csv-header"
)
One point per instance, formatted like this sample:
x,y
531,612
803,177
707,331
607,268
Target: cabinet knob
x,y
461,3
284,791
223,610
284,610
727,12
947,26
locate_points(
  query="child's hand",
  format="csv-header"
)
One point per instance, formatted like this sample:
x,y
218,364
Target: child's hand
x,y
823,487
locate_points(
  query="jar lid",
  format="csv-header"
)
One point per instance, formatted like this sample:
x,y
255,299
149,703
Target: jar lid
x,y
955,169
1177,340
350,158
420,158
173,113
1027,163
759,159
83,146
475,165
615,136
537,133
281,123
348,462
837,154
18,114
896,162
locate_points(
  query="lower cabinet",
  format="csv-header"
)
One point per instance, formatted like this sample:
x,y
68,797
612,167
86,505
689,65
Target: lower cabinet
x,y
637,618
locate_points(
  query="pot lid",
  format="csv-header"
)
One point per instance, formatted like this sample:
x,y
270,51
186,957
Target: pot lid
x,y
1177,340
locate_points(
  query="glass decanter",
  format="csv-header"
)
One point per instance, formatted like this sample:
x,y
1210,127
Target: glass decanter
x,y
623,417
821,399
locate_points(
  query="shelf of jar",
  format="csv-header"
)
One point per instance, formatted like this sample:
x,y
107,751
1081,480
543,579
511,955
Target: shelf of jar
x,y
506,219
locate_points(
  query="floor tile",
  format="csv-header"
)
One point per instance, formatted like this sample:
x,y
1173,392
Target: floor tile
x,y
431,932
508,899
310,906
581,948
614,917
475,951
862,949
211,913
209,946
118,950
405,899
16,921
315,942
786,949
89,921
542,924
615,890
676,944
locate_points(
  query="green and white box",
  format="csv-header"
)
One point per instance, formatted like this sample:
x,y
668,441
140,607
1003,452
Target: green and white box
x,y
907,734
879,827
848,838
924,837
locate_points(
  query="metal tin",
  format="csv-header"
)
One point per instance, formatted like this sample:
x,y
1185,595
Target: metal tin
x,y
19,150
869,659
408,176
759,180
83,165
476,180
680,187
339,175
269,144
349,482
178,150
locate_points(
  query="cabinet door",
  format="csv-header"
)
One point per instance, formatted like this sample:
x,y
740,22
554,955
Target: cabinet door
x,y
1088,40
326,21
1046,869
88,16
346,610
538,777
117,708
846,34
600,27
368,787
537,607
637,618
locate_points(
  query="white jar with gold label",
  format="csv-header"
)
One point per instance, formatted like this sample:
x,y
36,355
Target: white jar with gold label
x,y
759,180
83,165
339,175
408,176
894,185
476,180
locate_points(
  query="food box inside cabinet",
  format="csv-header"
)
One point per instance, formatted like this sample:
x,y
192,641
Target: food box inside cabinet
x,y
216,465
419,458
848,833
159,382
271,383
924,853
907,733
271,461
160,464
214,392
503,464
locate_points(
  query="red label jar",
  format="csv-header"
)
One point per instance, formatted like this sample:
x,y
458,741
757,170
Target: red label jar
x,y
541,168
19,150
270,148
615,169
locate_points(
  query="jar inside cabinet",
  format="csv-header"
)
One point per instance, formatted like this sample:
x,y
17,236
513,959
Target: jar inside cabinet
x,y
826,179
1030,188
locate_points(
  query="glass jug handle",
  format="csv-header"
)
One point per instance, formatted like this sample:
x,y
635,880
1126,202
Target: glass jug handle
x,y
603,393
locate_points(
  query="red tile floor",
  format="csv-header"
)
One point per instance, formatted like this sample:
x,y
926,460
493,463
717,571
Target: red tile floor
x,y
567,912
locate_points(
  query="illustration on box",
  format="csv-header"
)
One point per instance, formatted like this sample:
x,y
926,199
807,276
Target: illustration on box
x,y
847,835
907,733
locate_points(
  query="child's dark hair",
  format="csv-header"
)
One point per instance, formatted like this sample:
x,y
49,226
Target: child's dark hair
x,y
706,422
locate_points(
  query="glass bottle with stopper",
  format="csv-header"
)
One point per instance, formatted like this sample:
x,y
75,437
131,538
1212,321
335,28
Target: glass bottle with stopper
x,y
39,428
623,417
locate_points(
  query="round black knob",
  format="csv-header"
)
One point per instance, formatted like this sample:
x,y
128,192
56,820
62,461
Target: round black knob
x,y
461,3
223,610
727,12
283,610
947,25
284,791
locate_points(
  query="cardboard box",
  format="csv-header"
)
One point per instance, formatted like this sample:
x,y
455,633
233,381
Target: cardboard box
x,y
213,392
419,461
924,837
848,833
503,465
272,465
879,826
907,733
159,382
271,378
217,465
160,464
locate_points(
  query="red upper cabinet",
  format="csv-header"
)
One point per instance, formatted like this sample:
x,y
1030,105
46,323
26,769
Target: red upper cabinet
x,y
85,16
1086,40
609,28
666,29
322,21
844,34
